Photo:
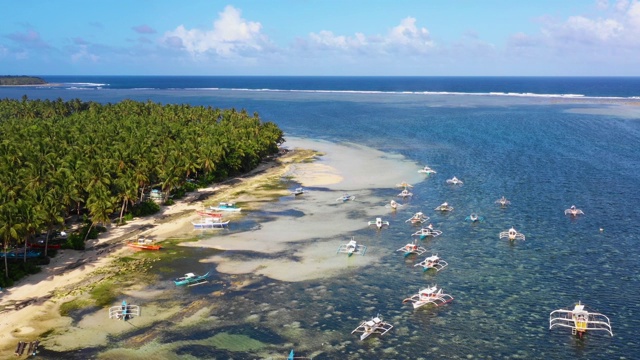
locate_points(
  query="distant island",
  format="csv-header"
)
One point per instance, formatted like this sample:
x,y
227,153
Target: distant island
x,y
21,80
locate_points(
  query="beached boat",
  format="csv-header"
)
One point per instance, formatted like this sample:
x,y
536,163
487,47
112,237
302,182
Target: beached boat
x,y
427,170
432,262
351,248
473,217
191,279
454,181
512,234
573,211
298,191
444,207
412,249
378,223
429,231
210,224
405,194
144,243
41,245
225,206
346,197
373,326
417,218
579,320
393,205
211,214
124,311
503,201
429,295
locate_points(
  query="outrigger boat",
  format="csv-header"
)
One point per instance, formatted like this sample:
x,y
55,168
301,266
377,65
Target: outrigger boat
x,y
298,191
474,218
429,295
225,206
393,205
124,311
427,170
405,194
404,184
432,262
351,248
210,214
512,234
418,218
346,197
210,224
373,326
426,232
412,248
573,211
144,243
444,207
378,223
191,279
579,320
503,201
454,181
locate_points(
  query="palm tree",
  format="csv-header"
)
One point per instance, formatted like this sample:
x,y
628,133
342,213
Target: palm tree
x,y
10,228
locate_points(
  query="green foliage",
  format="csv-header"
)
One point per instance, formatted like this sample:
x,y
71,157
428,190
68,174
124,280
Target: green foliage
x,y
73,305
74,241
21,80
59,158
145,208
104,294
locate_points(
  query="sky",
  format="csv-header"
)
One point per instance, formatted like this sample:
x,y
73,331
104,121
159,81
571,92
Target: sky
x,y
321,37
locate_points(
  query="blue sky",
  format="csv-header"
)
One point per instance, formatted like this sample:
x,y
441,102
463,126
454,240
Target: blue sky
x,y
320,37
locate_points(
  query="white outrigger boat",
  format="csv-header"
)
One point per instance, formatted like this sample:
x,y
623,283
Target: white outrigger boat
x,y
503,201
573,211
346,197
427,170
454,181
412,248
418,218
351,248
299,191
378,223
208,223
373,326
512,234
405,194
432,262
429,295
473,217
429,231
393,205
124,311
225,206
444,207
579,320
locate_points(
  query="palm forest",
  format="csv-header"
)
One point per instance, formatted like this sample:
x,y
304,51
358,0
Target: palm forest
x,y
98,162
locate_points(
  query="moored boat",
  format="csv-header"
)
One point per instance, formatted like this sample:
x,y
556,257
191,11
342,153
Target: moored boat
x,y
191,279
144,243
225,206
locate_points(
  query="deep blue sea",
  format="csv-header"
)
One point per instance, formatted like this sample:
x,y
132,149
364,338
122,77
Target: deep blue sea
x,y
545,143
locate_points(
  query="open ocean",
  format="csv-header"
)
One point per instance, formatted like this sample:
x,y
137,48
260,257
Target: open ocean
x,y
545,143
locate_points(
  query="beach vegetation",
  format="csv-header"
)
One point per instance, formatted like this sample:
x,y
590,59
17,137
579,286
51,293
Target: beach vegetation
x,y
68,307
7,80
65,160
104,293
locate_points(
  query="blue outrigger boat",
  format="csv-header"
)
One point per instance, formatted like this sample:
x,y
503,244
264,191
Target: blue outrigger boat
x,y
225,206
191,279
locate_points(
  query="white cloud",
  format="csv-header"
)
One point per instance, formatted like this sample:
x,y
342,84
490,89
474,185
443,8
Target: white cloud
x,y
406,38
231,35
84,54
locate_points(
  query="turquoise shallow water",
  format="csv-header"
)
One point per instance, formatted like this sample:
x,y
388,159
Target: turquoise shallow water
x,y
543,155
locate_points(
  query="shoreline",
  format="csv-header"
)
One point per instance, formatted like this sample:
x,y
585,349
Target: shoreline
x,y
328,176
33,298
